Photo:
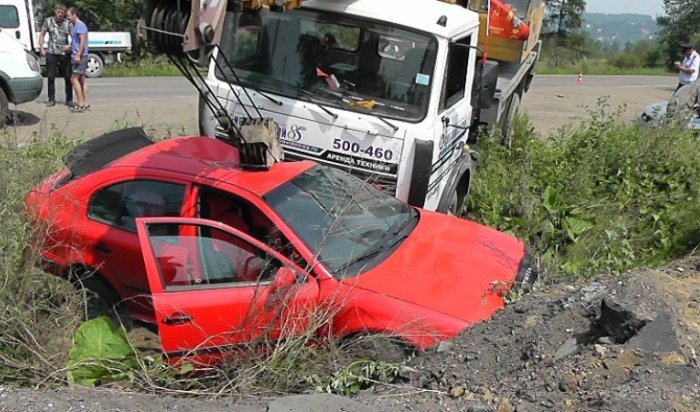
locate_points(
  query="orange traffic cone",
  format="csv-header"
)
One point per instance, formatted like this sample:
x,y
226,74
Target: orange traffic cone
x,y
579,79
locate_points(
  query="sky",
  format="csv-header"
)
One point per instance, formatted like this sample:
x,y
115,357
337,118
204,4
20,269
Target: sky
x,y
650,7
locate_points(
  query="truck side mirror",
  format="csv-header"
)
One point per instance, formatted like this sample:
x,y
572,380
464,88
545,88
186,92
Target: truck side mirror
x,y
488,77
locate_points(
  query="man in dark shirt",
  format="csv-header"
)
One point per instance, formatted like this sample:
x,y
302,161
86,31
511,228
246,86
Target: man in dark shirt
x,y
57,53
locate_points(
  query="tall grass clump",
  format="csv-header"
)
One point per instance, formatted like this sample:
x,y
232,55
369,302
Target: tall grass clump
x,y
37,312
598,196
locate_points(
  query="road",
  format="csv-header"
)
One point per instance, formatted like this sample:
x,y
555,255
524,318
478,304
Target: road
x,y
168,105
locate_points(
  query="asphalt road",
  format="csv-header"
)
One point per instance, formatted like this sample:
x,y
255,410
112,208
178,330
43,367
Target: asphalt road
x,y
168,105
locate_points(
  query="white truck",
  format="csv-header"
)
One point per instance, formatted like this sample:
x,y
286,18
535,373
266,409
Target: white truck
x,y
393,91
17,16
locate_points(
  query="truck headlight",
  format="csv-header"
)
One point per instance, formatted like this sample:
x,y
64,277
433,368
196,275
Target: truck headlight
x,y
33,62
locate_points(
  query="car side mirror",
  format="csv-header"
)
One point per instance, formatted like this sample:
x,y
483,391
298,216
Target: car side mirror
x,y
284,279
488,78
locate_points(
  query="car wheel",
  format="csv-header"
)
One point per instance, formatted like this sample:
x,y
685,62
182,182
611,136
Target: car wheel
x,y
95,66
100,298
374,346
507,131
4,108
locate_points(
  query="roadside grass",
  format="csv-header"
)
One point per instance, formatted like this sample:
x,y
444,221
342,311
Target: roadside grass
x,y
597,196
599,67
149,66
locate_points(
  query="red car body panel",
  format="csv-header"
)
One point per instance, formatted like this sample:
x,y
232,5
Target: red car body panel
x,y
446,275
448,265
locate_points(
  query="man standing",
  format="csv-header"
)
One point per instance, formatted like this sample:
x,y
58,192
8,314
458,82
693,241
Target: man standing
x,y
79,57
689,67
56,54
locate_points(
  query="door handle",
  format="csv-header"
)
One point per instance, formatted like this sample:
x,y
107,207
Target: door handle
x,y
102,247
18,34
177,319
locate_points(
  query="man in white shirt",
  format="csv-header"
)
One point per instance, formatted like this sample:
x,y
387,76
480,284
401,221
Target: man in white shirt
x,y
689,67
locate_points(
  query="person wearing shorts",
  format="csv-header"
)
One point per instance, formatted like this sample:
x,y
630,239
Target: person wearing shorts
x,y
79,59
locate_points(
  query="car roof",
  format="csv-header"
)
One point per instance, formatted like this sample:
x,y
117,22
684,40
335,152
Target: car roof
x,y
205,157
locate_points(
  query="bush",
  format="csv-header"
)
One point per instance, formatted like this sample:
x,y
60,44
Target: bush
x,y
600,196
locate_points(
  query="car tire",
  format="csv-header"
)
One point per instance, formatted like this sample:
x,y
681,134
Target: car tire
x,y
100,298
507,131
4,108
95,66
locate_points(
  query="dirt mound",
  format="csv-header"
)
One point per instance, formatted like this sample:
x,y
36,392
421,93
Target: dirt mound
x,y
613,344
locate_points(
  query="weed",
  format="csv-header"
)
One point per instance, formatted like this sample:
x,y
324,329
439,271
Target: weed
x,y
598,196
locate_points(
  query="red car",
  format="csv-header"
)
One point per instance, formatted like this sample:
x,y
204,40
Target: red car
x,y
218,256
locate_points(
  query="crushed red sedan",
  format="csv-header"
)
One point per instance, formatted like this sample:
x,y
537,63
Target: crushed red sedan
x,y
218,256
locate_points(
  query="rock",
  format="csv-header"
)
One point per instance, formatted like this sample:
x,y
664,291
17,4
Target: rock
x,y
566,349
568,383
457,392
504,406
445,346
615,321
600,350
479,408
657,336
673,358
568,403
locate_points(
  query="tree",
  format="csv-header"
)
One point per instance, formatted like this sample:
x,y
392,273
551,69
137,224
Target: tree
x,y
564,17
681,23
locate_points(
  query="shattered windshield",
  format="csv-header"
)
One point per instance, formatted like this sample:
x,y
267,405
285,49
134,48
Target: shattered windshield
x,y
347,223
331,59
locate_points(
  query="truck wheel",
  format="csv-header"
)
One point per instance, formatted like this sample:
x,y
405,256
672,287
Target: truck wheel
x,y
510,117
95,66
4,108
456,205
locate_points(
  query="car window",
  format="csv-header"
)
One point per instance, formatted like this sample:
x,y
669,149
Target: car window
x,y
120,204
346,222
193,257
9,18
242,215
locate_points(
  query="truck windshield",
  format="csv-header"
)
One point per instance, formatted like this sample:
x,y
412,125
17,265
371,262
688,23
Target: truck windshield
x,y
333,59
347,223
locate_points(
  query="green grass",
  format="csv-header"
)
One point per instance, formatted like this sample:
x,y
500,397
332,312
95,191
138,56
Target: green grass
x,y
146,66
597,196
597,67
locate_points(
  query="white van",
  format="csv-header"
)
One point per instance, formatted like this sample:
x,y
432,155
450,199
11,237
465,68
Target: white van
x,y
20,74
105,47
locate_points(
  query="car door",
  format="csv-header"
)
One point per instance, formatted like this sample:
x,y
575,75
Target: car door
x,y
109,233
216,290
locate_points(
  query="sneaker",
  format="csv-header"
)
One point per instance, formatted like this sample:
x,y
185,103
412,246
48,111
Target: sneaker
x,y
70,103
51,103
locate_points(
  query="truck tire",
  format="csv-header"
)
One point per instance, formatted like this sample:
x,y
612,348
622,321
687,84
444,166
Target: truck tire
x,y
4,108
507,131
95,66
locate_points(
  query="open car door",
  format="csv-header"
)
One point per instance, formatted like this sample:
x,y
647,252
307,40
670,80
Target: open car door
x,y
216,290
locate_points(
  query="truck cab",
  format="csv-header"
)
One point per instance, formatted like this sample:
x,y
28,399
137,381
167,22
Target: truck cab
x,y
381,89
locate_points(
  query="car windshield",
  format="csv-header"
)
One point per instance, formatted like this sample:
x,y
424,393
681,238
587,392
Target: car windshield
x,y
332,59
347,223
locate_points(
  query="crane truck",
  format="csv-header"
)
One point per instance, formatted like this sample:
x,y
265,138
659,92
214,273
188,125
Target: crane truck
x,y
393,91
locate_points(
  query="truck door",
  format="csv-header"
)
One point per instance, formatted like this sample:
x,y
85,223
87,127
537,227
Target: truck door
x,y
455,110
17,18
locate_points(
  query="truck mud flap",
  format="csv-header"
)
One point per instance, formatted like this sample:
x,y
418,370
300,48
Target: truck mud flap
x,y
420,175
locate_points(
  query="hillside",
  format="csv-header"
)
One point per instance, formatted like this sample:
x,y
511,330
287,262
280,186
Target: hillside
x,y
620,28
